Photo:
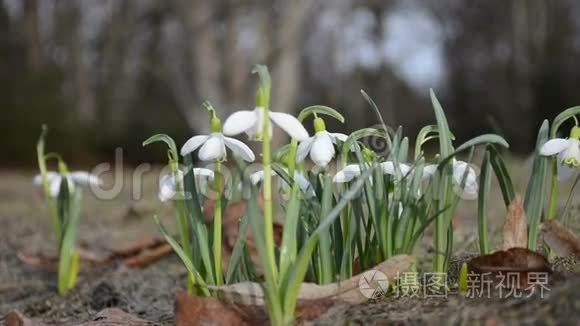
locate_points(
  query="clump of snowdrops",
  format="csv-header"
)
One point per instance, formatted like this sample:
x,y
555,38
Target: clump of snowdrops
x,y
377,204
63,197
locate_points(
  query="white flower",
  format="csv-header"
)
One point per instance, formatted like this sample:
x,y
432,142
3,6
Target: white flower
x,y
302,182
470,191
320,147
568,151
167,184
349,172
81,178
251,123
213,147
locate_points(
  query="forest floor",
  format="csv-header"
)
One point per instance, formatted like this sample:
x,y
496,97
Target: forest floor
x,y
149,293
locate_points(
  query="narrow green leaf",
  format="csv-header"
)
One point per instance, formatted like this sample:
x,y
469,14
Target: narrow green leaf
x,y
534,201
482,203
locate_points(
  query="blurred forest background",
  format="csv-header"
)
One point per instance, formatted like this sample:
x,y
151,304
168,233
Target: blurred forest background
x,y
109,73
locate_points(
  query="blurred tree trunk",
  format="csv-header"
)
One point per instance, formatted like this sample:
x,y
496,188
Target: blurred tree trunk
x,y
79,87
32,34
118,52
287,70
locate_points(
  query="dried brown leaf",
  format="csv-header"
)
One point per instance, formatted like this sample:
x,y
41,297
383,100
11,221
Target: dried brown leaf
x,y
348,290
515,228
561,240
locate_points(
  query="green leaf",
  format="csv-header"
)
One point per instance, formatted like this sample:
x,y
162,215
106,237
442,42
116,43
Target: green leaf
x,y
325,245
320,109
270,287
289,248
66,268
377,112
184,258
196,220
482,203
354,137
501,172
300,267
479,140
534,201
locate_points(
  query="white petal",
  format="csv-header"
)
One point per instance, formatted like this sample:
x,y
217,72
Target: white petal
x,y
303,149
573,151
258,176
240,149
322,150
429,171
205,173
290,125
347,174
193,143
389,168
338,136
470,190
303,183
85,178
213,149
240,121
54,186
341,137
166,187
49,177
554,146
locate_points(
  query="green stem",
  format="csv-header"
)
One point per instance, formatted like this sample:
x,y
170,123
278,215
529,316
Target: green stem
x,y
554,193
292,157
217,225
182,222
54,220
268,220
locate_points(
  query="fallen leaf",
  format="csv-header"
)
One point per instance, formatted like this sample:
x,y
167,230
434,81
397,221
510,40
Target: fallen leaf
x,y
520,261
148,256
515,228
16,318
561,240
191,310
116,316
347,291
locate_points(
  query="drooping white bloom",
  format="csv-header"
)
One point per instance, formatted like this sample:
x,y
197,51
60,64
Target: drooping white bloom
x,y
568,151
168,185
320,147
213,147
54,179
351,171
251,123
302,182
471,188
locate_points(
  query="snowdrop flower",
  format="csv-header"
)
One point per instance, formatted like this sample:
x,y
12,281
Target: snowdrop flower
x,y
213,146
251,123
81,178
302,182
568,151
349,172
470,191
167,184
320,146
